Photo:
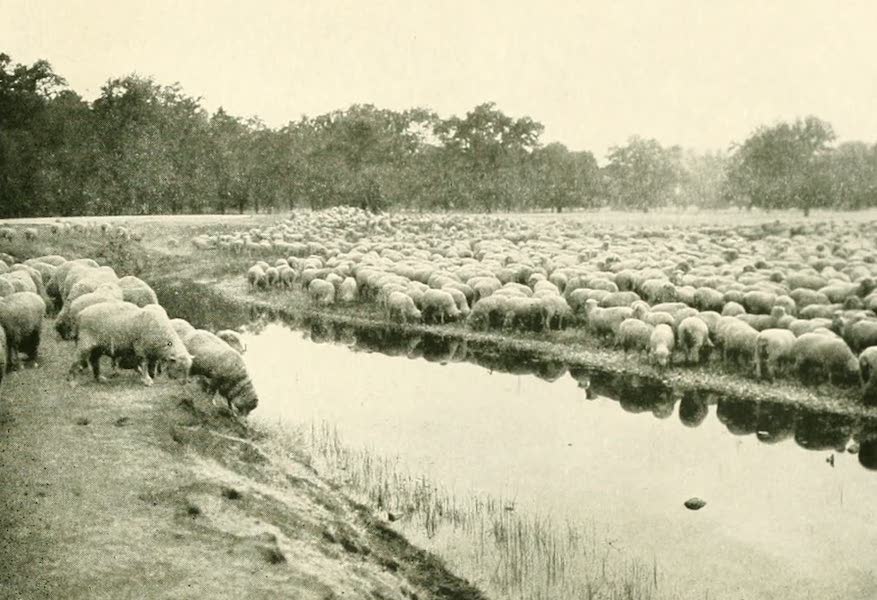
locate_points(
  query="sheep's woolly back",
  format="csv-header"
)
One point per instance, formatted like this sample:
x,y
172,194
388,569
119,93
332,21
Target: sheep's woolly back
x,y
21,315
223,366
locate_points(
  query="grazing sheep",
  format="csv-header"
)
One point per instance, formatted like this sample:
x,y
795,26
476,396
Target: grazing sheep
x,y
605,321
661,344
819,357
760,322
694,338
805,297
459,298
182,327
868,372
233,339
321,292
348,290
223,369
487,312
819,311
773,352
256,278
129,333
67,322
706,298
136,291
273,276
758,302
21,317
21,281
737,341
439,305
658,291
400,305
556,310
6,287
635,335
859,335
524,314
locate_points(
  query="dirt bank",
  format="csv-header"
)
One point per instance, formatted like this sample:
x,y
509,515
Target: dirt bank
x,y
120,491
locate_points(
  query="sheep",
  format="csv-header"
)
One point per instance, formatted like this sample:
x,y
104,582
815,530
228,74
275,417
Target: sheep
x,y
273,276
524,313
256,278
459,298
21,317
805,297
661,343
868,374
732,309
706,298
321,292
773,352
6,287
439,305
658,291
635,335
348,290
21,281
859,335
619,299
127,332
233,339
555,309
223,369
66,323
821,311
818,356
400,305
136,291
694,338
182,327
758,302
737,340
760,322
487,312
801,326
605,321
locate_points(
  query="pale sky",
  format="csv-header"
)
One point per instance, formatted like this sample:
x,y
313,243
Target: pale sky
x,y
699,74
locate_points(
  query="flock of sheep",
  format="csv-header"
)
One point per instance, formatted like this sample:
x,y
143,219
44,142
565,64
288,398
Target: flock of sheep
x,y
113,316
769,300
60,227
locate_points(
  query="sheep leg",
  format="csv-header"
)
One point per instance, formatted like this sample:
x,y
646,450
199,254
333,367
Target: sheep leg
x,y
144,372
93,359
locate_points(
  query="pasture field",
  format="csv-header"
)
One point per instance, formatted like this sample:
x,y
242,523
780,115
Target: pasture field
x,y
685,301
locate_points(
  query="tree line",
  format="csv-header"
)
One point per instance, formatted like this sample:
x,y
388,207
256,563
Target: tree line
x,y
144,148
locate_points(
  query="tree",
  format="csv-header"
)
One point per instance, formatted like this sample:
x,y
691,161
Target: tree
x,y
782,166
565,179
703,179
642,174
852,174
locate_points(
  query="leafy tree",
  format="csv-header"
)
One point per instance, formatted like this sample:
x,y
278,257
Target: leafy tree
x,y
565,179
782,167
642,174
852,175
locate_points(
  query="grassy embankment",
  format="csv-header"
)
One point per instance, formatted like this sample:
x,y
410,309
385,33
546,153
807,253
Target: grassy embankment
x,y
120,491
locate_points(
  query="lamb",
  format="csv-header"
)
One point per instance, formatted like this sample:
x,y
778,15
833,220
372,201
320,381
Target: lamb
x,y
223,369
233,339
67,322
661,344
524,314
400,305
487,312
694,338
459,299
128,332
21,317
321,292
819,356
773,352
737,340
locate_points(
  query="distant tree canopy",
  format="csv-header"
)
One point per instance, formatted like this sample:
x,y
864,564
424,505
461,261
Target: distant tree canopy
x,y
141,147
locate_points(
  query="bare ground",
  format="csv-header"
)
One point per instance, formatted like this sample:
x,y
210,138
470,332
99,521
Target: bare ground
x,y
121,491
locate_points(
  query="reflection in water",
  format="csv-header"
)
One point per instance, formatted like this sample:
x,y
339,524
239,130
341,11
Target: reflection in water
x,y
770,422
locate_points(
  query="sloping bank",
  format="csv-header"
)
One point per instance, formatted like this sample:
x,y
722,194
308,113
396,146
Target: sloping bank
x,y
227,303
121,491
